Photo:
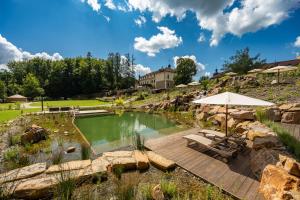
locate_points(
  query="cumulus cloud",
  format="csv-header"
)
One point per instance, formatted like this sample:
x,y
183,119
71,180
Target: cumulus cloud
x,y
222,16
110,4
200,66
140,21
9,52
297,42
165,40
201,38
141,70
93,3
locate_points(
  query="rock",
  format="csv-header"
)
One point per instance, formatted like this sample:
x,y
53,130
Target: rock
x,y
242,127
22,173
291,117
202,116
33,134
142,160
289,164
243,115
273,114
268,142
157,193
232,123
71,149
100,164
67,166
276,183
251,134
125,163
121,159
285,107
274,82
261,158
159,161
214,110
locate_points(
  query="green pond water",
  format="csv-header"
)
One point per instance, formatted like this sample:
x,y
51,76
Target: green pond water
x,y
108,132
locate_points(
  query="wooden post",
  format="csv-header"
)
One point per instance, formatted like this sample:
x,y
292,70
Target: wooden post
x,y
278,77
226,116
42,104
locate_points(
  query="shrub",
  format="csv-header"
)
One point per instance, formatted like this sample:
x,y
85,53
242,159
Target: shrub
x,y
146,191
66,186
12,154
119,102
14,139
168,188
261,115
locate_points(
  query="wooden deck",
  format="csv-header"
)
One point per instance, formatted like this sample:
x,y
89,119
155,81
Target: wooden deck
x,y
234,178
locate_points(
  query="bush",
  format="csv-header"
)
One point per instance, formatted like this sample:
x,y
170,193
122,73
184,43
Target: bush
x,y
146,191
168,188
14,139
119,102
12,154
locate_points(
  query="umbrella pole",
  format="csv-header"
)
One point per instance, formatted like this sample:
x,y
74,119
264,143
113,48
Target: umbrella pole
x,y
278,77
226,108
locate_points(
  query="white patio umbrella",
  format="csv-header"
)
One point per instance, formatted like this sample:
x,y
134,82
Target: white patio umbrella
x,y
181,86
280,69
253,71
194,83
229,98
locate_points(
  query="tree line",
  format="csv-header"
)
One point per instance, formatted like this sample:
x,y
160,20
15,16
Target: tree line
x,y
67,77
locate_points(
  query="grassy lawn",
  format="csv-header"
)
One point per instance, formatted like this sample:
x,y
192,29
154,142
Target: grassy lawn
x,y
70,103
5,106
7,115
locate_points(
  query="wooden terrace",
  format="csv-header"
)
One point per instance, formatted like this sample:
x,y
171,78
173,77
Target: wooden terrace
x,y
235,178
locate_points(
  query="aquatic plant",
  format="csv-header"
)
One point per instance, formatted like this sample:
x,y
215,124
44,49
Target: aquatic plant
x,y
85,152
169,188
66,186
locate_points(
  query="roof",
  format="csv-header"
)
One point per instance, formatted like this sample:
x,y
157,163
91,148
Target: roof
x,y
166,69
283,63
16,96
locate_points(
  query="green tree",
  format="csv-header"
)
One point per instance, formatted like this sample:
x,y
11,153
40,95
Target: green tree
x,y
204,82
31,86
185,70
242,62
2,90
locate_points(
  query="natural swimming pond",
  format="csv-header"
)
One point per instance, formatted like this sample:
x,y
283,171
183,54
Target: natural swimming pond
x,y
108,132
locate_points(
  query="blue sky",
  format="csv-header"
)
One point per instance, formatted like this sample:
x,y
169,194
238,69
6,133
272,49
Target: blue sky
x,y
168,29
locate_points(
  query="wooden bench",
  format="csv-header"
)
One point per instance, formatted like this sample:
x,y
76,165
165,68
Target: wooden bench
x,y
220,147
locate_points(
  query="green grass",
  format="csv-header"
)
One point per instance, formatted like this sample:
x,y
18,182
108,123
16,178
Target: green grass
x,y
6,106
7,115
69,103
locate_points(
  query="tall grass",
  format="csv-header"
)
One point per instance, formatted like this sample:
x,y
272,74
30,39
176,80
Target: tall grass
x,y
285,137
126,187
66,186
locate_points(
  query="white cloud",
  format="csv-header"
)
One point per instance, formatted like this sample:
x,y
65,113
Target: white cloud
x,y
201,38
200,66
297,42
140,21
106,18
110,4
93,3
9,52
165,40
141,70
222,16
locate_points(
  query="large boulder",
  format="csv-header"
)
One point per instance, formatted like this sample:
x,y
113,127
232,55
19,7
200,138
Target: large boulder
x,y
269,141
33,134
202,116
22,173
156,193
276,183
291,117
142,160
243,115
121,159
273,114
160,161
67,166
260,159
285,107
289,164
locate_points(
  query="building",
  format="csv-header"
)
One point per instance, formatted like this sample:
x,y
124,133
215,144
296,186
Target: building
x,y
160,79
16,98
294,62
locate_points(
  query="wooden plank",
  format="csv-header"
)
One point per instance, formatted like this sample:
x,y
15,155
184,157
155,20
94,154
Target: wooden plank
x,y
235,178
